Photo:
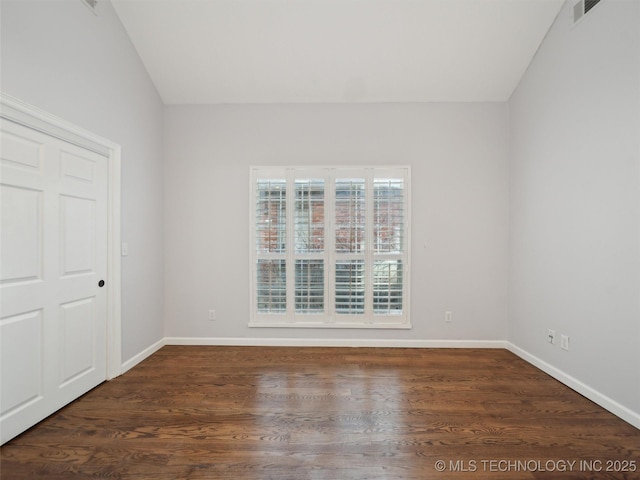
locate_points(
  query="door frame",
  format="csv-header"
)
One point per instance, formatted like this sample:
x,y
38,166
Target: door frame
x,y
34,118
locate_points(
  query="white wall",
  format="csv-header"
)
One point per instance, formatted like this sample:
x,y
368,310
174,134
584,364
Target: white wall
x,y
458,156
574,234
575,203
60,57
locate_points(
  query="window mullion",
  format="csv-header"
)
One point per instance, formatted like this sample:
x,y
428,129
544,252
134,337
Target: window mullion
x,y
368,246
290,246
406,240
330,245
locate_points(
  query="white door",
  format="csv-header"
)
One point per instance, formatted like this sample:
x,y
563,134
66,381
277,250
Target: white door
x,y
53,244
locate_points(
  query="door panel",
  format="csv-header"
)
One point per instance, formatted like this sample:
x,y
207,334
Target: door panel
x,y
21,234
77,226
76,326
54,241
22,337
76,167
21,151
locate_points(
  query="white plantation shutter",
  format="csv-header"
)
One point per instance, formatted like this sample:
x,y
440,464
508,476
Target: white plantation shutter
x,y
309,215
309,232
330,247
350,286
350,215
387,287
388,245
350,237
388,215
309,286
270,245
271,208
272,286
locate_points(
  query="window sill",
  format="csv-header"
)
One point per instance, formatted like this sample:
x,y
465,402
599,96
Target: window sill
x,y
405,325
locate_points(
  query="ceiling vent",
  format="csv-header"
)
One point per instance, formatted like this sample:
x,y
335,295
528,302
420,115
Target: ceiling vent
x,y
92,4
581,8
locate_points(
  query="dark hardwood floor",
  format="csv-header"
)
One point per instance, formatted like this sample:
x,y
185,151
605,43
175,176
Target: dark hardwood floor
x,y
328,413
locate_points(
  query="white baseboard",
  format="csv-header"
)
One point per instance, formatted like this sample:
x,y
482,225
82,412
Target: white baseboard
x,y
329,342
595,396
147,352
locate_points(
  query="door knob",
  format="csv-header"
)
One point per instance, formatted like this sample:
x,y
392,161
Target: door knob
x,y
101,283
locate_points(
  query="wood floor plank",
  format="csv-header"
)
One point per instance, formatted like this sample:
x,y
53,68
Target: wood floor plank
x,y
328,413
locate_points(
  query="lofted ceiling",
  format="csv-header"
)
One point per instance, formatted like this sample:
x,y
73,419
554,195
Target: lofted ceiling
x,y
334,51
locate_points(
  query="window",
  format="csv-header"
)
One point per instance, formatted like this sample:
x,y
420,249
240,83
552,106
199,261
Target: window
x,y
329,247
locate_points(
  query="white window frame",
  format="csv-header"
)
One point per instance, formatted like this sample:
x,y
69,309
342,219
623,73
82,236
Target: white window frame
x,y
329,318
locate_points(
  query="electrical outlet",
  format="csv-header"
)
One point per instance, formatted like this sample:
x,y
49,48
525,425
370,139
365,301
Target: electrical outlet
x,y
564,342
551,336
212,315
448,317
